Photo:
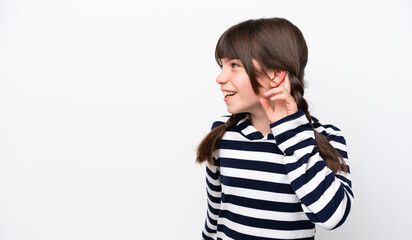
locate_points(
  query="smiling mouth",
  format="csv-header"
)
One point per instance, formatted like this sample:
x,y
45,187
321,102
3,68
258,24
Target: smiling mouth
x,y
228,94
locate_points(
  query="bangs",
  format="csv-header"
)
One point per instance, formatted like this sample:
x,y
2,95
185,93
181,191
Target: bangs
x,y
226,48
236,43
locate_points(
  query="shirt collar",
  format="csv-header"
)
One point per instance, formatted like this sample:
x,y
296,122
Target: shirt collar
x,y
246,128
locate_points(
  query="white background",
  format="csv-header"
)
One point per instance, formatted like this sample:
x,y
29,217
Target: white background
x,y
102,105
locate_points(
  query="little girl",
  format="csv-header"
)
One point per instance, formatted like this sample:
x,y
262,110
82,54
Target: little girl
x,y
273,170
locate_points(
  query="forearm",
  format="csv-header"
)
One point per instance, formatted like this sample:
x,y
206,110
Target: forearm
x,y
325,196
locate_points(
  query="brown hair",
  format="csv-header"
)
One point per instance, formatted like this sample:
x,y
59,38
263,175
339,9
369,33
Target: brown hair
x,y
276,44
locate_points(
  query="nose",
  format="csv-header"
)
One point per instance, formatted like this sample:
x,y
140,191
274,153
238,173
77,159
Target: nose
x,y
221,78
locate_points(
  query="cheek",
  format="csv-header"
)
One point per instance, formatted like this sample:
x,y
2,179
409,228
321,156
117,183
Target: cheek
x,y
265,85
264,88
247,86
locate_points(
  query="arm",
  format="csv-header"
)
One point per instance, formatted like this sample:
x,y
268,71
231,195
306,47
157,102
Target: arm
x,y
213,190
326,197
213,201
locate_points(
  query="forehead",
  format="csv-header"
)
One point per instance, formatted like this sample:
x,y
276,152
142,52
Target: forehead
x,y
228,59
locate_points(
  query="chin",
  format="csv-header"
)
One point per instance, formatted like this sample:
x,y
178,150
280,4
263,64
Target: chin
x,y
231,111
234,111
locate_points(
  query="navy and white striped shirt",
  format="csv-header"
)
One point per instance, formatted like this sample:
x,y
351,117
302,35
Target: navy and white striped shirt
x,y
275,186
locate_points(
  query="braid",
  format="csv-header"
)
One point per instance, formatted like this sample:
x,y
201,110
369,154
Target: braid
x,y
234,119
297,91
331,156
211,142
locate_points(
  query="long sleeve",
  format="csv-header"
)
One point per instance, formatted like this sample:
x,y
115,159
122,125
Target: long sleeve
x,y
213,188
325,197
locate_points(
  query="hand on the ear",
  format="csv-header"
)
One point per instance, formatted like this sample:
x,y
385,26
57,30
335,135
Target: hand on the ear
x,y
277,102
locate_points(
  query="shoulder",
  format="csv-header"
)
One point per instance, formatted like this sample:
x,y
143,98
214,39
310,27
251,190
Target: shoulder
x,y
220,121
331,131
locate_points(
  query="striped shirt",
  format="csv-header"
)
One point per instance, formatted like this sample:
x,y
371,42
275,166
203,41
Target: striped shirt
x,y
275,186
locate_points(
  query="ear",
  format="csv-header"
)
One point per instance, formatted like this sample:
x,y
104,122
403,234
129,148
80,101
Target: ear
x,y
277,76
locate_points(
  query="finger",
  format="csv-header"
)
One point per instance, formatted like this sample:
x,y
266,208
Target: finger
x,y
273,91
287,83
278,97
286,99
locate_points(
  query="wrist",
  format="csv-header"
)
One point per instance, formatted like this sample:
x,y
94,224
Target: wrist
x,y
296,114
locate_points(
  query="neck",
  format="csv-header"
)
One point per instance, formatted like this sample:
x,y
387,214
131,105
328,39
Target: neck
x,y
261,122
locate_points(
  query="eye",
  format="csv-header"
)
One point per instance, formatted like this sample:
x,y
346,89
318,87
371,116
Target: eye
x,y
235,65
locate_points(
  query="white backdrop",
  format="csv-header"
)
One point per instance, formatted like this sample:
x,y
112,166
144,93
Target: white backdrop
x,y
103,103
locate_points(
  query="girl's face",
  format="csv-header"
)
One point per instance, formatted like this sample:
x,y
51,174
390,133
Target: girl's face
x,y
237,89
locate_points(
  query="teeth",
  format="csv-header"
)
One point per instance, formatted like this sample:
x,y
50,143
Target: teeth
x,y
225,94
